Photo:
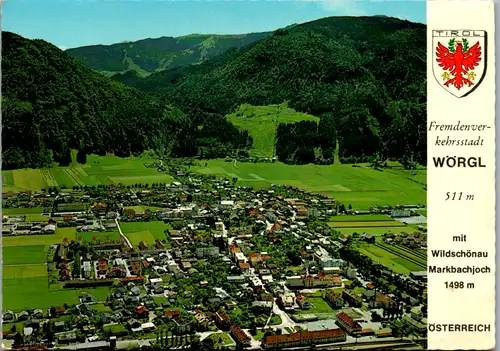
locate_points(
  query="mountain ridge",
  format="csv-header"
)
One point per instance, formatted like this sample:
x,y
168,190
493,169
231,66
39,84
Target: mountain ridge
x,y
150,55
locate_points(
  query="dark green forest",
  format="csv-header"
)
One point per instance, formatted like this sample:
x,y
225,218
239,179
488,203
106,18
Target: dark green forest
x,y
365,77
52,104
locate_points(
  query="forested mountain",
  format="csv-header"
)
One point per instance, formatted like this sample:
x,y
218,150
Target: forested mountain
x,y
365,77
52,104
151,55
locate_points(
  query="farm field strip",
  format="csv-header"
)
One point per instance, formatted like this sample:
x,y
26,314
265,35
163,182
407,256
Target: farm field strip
x,y
403,255
416,253
361,218
366,224
390,260
404,251
98,170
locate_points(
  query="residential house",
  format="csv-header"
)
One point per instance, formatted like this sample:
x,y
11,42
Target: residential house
x,y
8,316
380,300
141,311
303,302
262,306
22,316
171,314
59,326
352,299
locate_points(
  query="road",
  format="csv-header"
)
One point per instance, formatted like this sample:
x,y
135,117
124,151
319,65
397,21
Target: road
x,y
129,244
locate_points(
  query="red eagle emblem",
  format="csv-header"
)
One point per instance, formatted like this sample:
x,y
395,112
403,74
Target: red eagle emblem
x,y
460,60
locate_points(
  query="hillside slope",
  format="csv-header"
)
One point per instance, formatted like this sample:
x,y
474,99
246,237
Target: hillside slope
x,y
153,55
262,122
365,77
52,104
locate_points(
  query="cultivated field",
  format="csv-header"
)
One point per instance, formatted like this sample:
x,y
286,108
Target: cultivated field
x,y
376,230
261,123
361,187
366,224
32,214
398,258
24,279
98,170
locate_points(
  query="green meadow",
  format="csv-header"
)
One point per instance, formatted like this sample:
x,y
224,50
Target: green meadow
x,y
98,170
360,187
261,123
24,272
148,232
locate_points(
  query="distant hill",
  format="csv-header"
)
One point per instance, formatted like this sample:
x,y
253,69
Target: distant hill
x,y
153,55
365,77
262,122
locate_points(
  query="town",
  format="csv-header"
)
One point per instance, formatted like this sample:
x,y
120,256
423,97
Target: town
x,y
205,262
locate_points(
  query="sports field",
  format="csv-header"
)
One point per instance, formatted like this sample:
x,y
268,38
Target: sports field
x,y
361,187
98,170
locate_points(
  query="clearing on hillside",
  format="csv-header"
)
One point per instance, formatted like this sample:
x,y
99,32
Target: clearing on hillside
x,y
261,123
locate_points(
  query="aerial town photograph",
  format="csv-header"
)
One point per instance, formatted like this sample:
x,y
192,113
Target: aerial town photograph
x,y
213,175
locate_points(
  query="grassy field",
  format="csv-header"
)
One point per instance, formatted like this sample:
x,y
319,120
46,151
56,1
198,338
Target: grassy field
x,y
360,187
32,214
89,236
98,170
24,272
366,224
33,292
149,232
361,218
357,186
142,209
375,230
28,254
261,123
46,240
318,306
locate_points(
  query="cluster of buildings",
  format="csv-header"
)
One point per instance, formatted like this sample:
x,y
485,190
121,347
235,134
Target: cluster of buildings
x,y
250,237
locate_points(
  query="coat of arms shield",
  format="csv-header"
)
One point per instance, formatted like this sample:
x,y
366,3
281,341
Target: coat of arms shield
x,y
459,60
